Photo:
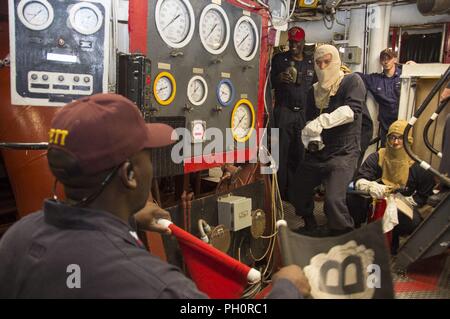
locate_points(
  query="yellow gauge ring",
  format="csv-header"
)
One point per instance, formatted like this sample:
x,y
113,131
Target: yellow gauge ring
x,y
252,109
174,88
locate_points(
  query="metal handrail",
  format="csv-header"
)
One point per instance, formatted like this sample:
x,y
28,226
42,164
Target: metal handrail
x,y
25,146
445,180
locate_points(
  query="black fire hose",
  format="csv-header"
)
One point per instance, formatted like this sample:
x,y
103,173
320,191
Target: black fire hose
x,y
445,180
433,117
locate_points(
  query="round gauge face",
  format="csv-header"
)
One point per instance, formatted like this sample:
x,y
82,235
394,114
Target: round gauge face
x,y
198,131
242,120
175,22
85,18
214,29
197,90
35,14
225,92
164,88
245,38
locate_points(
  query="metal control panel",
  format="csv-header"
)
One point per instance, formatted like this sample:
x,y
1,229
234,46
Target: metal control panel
x,y
59,50
208,68
60,83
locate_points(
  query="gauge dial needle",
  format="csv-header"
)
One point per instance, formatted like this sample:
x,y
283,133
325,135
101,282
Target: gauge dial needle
x,y
35,15
243,39
171,21
196,88
160,89
243,116
210,32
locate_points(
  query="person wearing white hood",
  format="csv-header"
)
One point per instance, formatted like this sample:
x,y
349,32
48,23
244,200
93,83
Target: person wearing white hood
x,y
332,141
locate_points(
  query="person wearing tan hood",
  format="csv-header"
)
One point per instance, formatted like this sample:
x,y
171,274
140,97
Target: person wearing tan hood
x,y
389,169
332,141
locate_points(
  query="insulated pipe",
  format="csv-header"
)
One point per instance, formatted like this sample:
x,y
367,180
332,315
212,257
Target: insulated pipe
x,y
400,15
387,23
404,15
377,21
433,7
315,31
355,36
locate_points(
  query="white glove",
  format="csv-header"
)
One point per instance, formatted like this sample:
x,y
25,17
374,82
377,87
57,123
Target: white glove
x,y
373,188
390,217
342,115
312,128
410,200
306,139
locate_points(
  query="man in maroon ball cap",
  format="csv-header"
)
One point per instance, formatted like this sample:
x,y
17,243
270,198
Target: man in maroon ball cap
x,y
86,246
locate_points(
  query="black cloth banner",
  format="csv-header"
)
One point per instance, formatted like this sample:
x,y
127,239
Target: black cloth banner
x,y
351,266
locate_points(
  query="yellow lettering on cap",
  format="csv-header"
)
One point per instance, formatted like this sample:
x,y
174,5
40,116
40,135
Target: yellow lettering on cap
x,y
51,135
63,134
57,136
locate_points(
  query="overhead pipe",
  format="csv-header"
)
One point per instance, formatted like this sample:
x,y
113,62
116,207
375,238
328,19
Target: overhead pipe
x,y
433,7
378,20
406,15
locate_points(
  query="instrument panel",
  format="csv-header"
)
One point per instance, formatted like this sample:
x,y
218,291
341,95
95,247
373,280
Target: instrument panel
x,y
213,61
59,50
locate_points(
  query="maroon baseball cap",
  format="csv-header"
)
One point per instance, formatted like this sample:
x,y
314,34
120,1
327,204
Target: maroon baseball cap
x,y
296,34
103,130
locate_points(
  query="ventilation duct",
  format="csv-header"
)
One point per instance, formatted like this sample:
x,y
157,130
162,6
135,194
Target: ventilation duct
x,y
433,7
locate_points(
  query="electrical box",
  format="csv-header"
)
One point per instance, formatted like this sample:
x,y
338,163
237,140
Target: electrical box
x,y
308,3
235,212
351,55
59,50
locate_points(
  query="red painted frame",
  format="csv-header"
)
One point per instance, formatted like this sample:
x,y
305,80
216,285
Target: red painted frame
x,y
137,27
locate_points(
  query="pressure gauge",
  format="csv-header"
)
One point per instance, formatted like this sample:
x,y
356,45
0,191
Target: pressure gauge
x,y
35,14
197,90
198,129
175,22
164,88
86,18
225,92
246,38
242,120
214,29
